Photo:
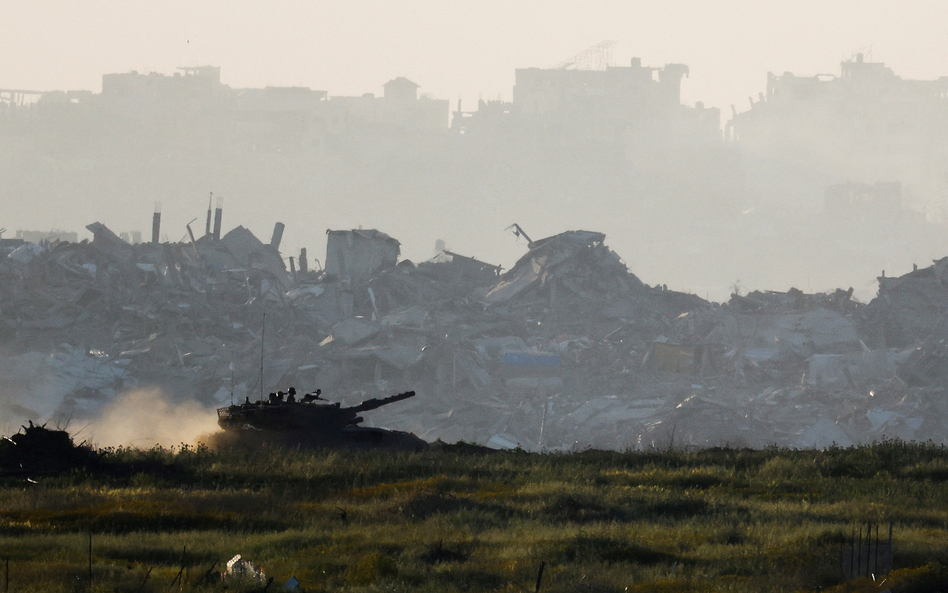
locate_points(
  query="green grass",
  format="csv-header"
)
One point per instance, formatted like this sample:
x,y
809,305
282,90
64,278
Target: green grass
x,y
453,519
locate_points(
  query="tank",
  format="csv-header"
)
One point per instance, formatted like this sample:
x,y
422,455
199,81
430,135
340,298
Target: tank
x,y
310,421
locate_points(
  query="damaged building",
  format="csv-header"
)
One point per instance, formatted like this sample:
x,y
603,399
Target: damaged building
x,y
609,142
864,125
566,350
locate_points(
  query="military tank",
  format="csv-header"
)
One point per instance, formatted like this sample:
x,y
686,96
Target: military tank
x,y
309,421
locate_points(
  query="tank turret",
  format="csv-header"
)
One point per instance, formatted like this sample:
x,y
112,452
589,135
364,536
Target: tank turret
x,y
309,414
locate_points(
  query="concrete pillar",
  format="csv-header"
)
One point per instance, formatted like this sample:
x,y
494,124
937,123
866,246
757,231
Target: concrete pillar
x,y
277,236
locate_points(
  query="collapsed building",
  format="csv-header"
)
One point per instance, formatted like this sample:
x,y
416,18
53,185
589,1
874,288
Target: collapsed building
x,y
566,350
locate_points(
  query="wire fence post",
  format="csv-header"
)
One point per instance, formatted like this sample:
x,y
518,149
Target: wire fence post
x,y
90,560
875,562
868,556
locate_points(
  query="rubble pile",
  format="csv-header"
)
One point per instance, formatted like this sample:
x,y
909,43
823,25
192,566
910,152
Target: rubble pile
x,y
566,350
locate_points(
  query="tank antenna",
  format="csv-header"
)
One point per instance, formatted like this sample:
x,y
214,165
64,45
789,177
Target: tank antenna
x,y
263,337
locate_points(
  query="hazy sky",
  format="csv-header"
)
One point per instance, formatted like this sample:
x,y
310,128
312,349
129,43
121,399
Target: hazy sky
x,y
455,49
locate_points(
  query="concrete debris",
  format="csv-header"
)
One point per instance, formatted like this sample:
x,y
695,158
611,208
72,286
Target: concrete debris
x,y
25,253
248,250
354,330
358,254
567,350
824,433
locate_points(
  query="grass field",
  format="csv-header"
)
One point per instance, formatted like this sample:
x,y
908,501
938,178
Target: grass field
x,y
458,518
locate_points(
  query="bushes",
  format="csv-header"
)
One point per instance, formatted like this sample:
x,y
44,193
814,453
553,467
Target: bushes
x,y
584,549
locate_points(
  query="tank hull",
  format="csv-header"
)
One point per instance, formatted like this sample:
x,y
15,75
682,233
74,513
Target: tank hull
x,y
286,416
308,423
353,438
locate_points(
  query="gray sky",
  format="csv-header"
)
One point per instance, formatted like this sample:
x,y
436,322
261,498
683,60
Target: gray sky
x,y
457,49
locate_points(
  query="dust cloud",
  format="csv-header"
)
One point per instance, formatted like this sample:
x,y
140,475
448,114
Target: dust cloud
x,y
147,417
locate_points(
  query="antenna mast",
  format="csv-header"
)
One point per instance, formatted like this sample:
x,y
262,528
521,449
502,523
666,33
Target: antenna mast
x,y
263,337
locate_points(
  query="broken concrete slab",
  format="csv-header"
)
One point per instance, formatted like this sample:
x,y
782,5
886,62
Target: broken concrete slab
x,y
358,254
110,244
355,330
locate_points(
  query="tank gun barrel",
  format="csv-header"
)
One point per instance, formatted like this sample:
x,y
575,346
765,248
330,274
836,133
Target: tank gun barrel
x,y
371,404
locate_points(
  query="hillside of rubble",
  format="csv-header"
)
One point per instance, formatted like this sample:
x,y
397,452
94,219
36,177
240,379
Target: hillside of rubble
x,y
566,350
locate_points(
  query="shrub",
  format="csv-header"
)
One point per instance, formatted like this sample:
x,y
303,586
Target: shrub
x,y
371,568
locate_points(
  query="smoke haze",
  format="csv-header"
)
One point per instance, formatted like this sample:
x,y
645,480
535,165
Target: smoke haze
x,y
460,49
721,148
147,417
115,163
